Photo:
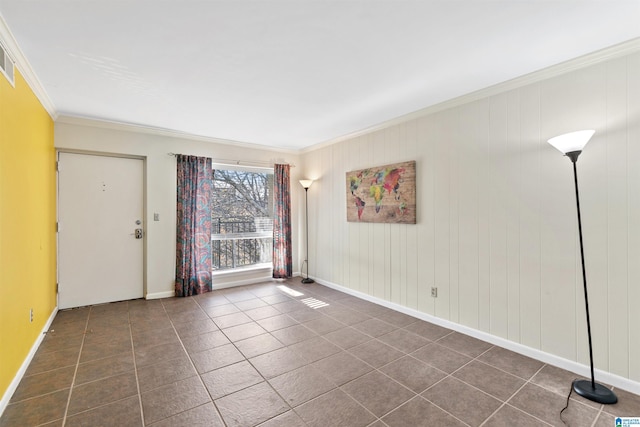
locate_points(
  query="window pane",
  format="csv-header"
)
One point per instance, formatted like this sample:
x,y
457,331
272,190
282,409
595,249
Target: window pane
x,y
235,253
242,218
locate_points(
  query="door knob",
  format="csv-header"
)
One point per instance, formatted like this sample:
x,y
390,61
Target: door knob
x,y
138,233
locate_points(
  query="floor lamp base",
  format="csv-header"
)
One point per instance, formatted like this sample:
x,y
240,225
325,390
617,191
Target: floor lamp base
x,y
307,280
600,394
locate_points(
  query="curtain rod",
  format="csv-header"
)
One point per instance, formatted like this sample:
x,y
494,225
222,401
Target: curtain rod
x,y
232,162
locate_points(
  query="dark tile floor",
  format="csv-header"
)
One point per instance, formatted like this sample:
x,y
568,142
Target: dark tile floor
x,y
258,355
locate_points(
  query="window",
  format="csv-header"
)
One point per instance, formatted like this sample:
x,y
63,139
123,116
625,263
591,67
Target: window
x,y
242,218
6,65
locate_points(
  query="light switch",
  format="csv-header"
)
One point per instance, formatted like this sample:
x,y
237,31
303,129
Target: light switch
x,y
156,217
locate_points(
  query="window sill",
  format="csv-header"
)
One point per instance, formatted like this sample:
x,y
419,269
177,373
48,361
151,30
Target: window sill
x,y
243,270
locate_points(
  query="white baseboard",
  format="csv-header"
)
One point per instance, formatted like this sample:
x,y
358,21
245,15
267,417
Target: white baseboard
x,y
158,295
242,277
569,365
25,364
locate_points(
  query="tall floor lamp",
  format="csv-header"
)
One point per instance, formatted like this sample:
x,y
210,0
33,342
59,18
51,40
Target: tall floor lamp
x,y
306,183
571,145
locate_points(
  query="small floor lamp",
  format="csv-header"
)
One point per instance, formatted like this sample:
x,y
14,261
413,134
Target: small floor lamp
x,y
306,183
571,145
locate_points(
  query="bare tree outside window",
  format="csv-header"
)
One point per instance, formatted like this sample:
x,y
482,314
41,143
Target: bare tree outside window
x,y
242,218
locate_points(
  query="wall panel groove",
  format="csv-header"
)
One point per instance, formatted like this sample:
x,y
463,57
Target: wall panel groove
x,y
496,224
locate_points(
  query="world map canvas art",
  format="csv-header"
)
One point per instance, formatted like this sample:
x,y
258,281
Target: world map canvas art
x,y
382,194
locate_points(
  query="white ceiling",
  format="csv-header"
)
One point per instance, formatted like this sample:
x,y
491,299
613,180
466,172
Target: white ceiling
x,y
294,73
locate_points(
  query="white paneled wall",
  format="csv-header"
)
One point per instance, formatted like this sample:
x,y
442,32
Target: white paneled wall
x,y
497,230
630,306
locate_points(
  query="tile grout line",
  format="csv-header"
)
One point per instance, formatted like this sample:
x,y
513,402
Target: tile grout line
x,y
595,420
75,371
405,354
377,369
417,395
191,362
135,366
506,402
476,358
527,381
291,408
246,359
92,313
473,359
337,387
569,398
450,375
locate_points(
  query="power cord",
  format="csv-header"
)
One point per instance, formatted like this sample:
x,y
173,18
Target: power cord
x,y
567,405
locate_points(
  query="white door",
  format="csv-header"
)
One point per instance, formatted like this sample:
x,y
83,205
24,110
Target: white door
x,y
100,206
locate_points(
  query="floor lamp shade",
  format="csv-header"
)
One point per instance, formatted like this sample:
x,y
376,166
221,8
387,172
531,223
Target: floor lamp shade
x,y
573,141
306,183
571,145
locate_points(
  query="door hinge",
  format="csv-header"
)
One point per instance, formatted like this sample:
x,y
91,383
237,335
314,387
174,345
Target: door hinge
x,y
57,286
57,166
57,227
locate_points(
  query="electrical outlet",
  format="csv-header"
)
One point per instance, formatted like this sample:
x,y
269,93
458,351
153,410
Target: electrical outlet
x,y
31,315
434,292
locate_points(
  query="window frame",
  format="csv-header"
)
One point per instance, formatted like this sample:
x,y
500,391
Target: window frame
x,y
244,235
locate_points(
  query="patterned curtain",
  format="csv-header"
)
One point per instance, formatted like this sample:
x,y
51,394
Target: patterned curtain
x,y
193,236
282,257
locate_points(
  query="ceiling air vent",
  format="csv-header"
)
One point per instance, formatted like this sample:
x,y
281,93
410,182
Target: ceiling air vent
x,y
6,64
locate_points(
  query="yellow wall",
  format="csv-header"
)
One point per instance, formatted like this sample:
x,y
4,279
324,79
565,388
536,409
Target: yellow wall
x,y
27,224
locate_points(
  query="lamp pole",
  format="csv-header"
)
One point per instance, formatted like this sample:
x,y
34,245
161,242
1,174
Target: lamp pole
x,y
571,145
306,183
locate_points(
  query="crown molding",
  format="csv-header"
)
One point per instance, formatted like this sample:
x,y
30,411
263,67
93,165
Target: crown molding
x,y
151,130
27,72
599,56
25,69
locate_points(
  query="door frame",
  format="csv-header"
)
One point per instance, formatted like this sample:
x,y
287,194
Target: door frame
x,y
144,210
